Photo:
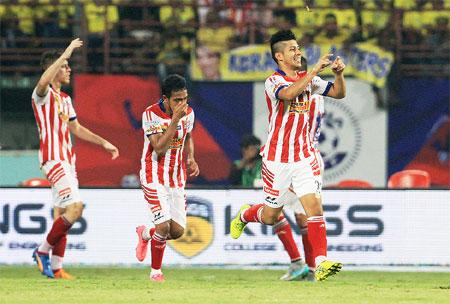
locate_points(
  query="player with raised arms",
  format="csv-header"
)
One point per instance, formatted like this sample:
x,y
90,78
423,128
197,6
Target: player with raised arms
x,y
56,120
289,159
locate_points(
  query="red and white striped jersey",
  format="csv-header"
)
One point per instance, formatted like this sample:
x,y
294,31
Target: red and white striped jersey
x,y
168,170
288,139
316,113
52,113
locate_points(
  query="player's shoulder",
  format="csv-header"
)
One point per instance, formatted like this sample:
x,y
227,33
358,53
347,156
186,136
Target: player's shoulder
x,y
190,111
274,78
154,108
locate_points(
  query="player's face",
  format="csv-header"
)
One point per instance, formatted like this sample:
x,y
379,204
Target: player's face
x,y
177,97
64,73
292,56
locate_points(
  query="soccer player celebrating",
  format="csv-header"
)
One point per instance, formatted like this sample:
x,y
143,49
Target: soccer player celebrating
x,y
297,270
288,156
167,130
56,119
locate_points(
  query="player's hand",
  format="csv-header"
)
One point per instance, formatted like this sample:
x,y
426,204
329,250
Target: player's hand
x,y
180,110
192,167
111,149
76,43
338,66
324,61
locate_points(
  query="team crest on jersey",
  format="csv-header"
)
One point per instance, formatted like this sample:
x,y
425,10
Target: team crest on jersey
x,y
299,106
199,232
340,139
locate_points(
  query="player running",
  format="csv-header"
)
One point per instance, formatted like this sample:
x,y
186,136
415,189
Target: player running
x,y
167,131
289,159
296,270
56,119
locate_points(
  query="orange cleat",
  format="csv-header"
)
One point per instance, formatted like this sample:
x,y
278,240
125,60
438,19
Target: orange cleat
x,y
62,274
157,277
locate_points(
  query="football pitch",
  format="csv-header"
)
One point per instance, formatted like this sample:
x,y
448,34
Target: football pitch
x,y
211,285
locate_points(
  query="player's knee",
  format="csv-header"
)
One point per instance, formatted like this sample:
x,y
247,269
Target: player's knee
x,y
163,229
271,220
176,234
315,211
74,211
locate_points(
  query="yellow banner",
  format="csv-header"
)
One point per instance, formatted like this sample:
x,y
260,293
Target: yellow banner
x,y
365,61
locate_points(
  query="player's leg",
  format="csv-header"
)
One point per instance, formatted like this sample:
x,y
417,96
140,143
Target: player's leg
x,y
177,212
145,233
307,184
302,222
297,269
59,250
65,195
157,198
276,179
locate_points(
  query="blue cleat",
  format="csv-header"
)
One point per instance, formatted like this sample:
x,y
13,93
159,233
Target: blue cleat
x,y
43,264
297,271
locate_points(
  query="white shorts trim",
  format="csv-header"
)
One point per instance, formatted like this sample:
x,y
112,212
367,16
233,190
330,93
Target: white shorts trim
x,y
165,203
304,177
64,181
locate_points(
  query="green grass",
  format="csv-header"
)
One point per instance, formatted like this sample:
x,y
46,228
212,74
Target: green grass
x,y
131,285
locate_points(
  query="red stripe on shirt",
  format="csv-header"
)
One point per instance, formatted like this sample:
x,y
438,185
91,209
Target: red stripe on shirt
x,y
148,165
161,160
52,126
274,139
286,138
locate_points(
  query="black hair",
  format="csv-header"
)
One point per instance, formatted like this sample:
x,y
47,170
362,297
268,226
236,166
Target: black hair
x,y
280,36
173,83
250,140
48,58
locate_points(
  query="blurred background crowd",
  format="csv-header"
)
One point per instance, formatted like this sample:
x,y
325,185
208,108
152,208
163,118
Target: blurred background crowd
x,y
157,36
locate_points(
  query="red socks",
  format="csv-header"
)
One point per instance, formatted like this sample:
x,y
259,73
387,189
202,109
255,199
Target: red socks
x,y
317,236
60,247
252,214
309,258
158,244
284,232
59,229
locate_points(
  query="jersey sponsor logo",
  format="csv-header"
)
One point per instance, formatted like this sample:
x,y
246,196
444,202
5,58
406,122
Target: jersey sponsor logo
x,y
300,107
340,139
271,191
153,127
176,143
199,232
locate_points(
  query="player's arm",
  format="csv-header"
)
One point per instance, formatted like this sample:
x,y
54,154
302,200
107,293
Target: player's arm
x,y
190,161
85,134
297,88
338,89
161,142
50,73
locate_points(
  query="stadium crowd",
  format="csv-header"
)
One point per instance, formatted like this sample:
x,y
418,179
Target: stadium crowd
x,y
157,36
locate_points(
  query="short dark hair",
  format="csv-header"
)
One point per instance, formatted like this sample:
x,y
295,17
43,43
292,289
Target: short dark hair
x,y
173,83
250,140
280,36
48,58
